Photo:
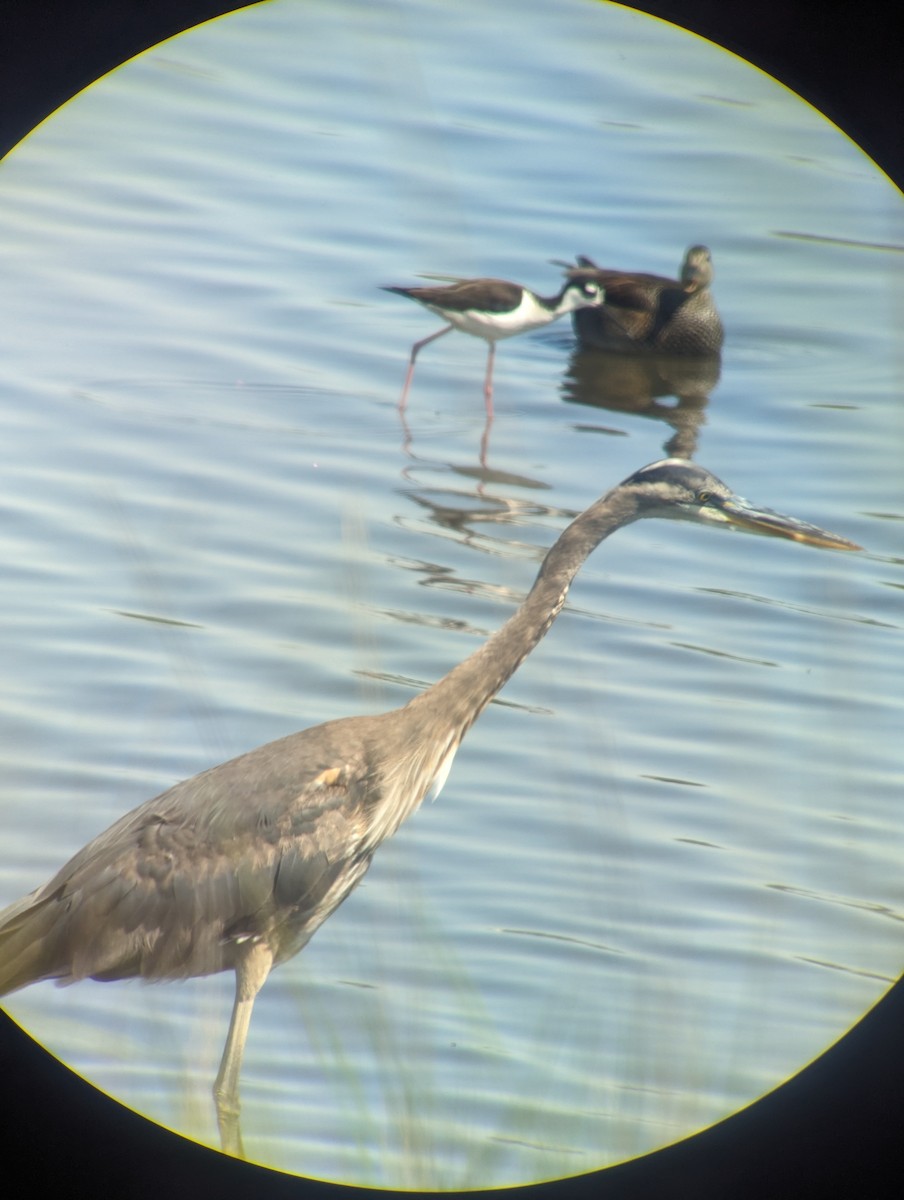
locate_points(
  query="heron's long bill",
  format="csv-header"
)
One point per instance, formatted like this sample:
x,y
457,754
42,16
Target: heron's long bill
x,y
772,524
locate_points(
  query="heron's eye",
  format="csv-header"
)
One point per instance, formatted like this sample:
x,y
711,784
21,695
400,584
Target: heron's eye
x,y
704,497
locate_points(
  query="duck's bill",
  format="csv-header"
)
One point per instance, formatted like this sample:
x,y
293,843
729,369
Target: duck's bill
x,y
773,524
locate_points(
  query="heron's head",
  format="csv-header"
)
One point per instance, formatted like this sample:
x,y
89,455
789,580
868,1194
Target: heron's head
x,y
684,491
697,268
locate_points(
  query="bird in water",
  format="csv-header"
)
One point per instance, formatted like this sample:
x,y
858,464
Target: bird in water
x,y
237,867
493,309
645,314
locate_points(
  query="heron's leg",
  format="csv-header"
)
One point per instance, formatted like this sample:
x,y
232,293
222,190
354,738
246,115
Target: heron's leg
x,y
414,353
488,382
251,970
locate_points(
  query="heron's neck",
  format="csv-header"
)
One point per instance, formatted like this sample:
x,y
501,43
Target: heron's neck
x,y
458,699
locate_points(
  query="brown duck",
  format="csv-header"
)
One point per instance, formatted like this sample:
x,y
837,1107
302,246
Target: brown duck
x,y
645,314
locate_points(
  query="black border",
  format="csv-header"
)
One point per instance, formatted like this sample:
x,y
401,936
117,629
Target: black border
x,y
834,1131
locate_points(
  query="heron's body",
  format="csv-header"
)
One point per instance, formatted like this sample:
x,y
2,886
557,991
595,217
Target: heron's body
x,y
493,309
237,867
645,314
264,846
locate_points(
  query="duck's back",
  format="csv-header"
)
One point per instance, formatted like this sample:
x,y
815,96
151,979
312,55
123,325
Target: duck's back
x,y
645,313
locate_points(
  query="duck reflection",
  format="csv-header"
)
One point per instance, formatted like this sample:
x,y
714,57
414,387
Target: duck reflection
x,y
663,388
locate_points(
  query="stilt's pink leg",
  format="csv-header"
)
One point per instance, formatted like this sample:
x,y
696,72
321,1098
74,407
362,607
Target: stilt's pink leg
x,y
403,400
488,382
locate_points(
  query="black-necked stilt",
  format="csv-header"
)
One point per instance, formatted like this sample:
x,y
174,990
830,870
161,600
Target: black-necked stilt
x,y
493,309
650,313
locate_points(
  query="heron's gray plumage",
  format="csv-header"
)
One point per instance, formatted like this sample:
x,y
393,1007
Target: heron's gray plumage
x,y
236,868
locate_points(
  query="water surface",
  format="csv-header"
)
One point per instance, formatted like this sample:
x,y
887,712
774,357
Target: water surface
x,y
665,872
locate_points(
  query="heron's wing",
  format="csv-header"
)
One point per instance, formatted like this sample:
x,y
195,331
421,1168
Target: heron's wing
x,y
269,839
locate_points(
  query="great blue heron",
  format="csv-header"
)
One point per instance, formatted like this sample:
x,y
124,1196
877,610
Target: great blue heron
x,y
493,309
650,313
236,868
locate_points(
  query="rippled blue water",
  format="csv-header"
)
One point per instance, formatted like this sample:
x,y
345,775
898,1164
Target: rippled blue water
x,y
665,871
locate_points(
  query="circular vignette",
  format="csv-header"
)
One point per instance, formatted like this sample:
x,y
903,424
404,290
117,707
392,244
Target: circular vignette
x,y
830,1131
